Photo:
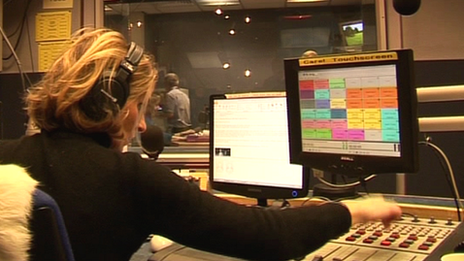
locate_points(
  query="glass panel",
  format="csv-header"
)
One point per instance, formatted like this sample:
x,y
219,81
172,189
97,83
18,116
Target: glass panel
x,y
241,49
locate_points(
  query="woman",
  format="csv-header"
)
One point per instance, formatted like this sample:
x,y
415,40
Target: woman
x,y
111,201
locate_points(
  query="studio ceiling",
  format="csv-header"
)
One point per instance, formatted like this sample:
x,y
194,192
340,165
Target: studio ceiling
x,y
125,7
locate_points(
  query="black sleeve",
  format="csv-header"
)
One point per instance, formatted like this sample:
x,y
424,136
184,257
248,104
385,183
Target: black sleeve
x,y
179,210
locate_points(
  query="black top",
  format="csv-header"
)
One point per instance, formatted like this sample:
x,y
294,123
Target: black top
x,y
111,201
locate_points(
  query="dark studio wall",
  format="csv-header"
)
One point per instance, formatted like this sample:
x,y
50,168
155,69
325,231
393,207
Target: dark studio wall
x,y
432,178
13,119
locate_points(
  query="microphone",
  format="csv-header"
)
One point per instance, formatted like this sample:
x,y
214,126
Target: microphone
x,y
406,7
152,141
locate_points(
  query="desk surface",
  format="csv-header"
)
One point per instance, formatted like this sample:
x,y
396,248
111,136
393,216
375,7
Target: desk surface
x,y
422,207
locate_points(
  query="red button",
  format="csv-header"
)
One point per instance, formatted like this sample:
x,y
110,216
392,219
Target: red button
x,y
368,241
350,239
404,245
423,247
385,243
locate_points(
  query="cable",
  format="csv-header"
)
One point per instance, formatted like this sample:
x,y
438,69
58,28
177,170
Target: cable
x,y
451,180
20,33
7,2
30,46
348,184
18,62
1,120
364,185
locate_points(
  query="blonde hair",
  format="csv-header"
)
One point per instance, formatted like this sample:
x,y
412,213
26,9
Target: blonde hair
x,y
55,101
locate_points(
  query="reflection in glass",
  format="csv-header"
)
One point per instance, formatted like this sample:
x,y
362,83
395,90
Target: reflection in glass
x,y
193,41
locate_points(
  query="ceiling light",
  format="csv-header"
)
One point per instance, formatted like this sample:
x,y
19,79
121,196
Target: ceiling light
x,y
232,31
297,17
218,11
306,1
247,19
218,2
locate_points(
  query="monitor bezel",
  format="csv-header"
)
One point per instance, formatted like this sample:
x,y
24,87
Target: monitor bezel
x,y
249,190
358,165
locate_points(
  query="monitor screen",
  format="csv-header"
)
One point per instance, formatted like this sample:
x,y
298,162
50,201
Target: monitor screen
x,y
352,33
353,114
249,147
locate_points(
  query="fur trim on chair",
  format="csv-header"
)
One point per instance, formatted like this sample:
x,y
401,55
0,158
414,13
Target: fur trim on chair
x,y
16,201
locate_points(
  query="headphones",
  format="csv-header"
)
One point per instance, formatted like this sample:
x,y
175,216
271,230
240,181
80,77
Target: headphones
x,y
100,98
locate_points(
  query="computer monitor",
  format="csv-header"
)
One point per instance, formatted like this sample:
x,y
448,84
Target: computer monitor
x,y
352,32
353,114
249,148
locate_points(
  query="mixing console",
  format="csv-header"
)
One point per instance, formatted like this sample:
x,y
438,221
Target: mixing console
x,y
406,240
410,239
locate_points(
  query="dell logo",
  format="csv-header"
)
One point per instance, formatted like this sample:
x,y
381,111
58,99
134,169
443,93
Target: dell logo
x,y
346,158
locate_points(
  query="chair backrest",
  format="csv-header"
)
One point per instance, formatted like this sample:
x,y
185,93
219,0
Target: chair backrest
x,y
16,197
50,239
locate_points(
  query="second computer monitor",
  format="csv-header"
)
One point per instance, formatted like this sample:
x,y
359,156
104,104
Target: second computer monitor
x,y
353,114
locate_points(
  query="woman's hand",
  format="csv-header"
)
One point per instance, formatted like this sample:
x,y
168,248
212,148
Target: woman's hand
x,y
373,209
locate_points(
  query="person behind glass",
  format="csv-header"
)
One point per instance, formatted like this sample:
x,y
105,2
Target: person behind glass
x,y
177,106
112,200
309,53
152,109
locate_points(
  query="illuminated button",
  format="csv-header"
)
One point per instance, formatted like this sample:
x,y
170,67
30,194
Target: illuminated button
x,y
385,243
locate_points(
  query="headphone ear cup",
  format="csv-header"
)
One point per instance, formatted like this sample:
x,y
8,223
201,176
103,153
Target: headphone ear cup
x,y
118,88
107,95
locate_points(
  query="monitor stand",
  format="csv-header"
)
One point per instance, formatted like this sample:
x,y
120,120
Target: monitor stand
x,y
262,202
334,193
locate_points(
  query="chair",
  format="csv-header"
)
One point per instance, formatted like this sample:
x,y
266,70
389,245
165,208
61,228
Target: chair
x,y
50,239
